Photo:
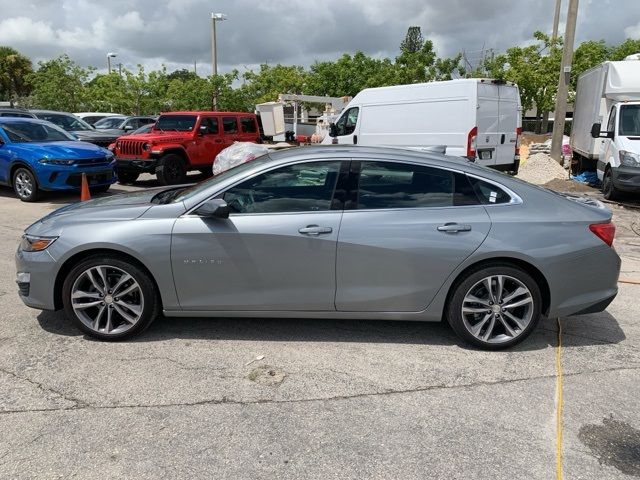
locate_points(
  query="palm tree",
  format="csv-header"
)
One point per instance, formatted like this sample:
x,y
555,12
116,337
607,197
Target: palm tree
x,y
14,68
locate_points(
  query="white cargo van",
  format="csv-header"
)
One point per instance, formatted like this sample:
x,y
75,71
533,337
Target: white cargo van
x,y
475,118
609,94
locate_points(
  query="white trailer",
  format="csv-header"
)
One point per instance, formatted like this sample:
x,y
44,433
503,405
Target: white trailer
x,y
475,118
609,95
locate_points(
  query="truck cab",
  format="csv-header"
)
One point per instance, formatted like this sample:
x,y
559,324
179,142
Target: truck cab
x,y
180,142
619,157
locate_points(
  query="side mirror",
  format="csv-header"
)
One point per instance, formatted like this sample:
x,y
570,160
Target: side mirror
x,y
214,208
333,130
595,130
203,129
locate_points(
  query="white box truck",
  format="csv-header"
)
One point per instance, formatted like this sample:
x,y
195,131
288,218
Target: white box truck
x,y
475,118
606,125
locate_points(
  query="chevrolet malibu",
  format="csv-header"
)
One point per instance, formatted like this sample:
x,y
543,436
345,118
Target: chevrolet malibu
x,y
327,232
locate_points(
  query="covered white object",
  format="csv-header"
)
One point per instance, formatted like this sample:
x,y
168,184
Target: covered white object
x,y
239,152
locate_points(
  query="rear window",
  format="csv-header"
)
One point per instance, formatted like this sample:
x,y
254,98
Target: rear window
x,y
230,124
488,193
248,125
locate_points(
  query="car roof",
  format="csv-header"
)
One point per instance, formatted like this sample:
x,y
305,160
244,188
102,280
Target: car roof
x,y
23,119
37,111
206,112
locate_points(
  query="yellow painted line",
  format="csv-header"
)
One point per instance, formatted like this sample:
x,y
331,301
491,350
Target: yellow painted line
x,y
559,403
631,282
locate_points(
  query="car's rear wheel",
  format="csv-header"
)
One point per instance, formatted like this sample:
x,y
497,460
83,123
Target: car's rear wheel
x,y
495,307
110,299
609,191
170,170
127,177
25,185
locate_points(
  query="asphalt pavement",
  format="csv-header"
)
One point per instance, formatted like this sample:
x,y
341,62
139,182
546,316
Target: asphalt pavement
x,y
297,399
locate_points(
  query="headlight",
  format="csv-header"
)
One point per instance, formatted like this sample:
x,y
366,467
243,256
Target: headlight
x,y
56,161
629,159
32,243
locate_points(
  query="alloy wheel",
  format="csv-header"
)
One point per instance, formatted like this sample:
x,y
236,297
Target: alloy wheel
x,y
24,184
497,309
107,299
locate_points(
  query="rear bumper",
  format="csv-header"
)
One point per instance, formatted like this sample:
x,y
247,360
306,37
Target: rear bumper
x,y
626,179
137,165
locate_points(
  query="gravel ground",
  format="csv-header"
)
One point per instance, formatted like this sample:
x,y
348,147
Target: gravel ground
x,y
541,169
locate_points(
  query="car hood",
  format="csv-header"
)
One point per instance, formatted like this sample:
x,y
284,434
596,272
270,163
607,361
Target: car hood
x,y
67,150
161,137
630,144
125,206
111,132
89,135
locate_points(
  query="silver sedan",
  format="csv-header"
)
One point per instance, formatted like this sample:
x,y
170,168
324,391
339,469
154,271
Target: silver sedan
x,y
327,232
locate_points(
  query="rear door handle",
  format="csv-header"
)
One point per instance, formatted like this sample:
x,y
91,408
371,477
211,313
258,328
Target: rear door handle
x,y
453,227
315,230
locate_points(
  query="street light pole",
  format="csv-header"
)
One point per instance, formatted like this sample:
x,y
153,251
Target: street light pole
x,y
563,82
214,51
110,55
556,20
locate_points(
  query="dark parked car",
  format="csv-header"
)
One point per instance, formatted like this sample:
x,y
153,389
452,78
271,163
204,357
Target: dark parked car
x,y
16,112
123,125
76,126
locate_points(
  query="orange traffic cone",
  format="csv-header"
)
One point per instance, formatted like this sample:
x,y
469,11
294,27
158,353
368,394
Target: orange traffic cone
x,y
84,189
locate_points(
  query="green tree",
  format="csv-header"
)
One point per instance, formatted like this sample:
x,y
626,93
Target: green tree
x,y
628,47
266,84
587,55
60,84
413,41
14,69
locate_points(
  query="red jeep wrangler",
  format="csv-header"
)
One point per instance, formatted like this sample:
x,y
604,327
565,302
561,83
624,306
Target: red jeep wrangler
x,y
182,141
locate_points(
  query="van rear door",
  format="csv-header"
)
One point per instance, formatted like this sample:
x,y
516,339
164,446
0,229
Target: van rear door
x,y
509,110
488,119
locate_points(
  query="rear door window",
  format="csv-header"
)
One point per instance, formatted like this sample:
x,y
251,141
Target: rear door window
x,y
211,123
248,125
230,124
400,185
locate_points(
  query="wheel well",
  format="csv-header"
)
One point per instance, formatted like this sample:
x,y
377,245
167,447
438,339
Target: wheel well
x,y
176,151
536,274
72,261
17,165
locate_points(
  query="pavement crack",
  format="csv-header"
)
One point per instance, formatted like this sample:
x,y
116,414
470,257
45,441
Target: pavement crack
x,y
226,401
43,388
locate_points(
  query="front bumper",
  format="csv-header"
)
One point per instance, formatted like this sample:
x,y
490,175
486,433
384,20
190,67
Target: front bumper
x,y
137,165
56,177
626,179
36,274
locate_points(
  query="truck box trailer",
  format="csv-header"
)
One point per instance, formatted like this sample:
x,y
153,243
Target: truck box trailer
x,y
475,118
606,124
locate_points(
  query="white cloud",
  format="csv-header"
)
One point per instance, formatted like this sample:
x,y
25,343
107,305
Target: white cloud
x,y
633,31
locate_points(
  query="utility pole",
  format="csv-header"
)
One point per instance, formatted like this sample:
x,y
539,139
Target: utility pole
x,y
556,21
214,51
563,82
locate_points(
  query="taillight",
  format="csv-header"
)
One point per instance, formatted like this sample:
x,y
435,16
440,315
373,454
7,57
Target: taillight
x,y
471,143
518,137
604,231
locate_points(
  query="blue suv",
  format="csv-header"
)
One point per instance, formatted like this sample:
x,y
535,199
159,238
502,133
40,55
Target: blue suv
x,y
36,155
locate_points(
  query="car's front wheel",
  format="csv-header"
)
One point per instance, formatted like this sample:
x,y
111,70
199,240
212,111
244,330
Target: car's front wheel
x,y
495,307
170,170
109,298
609,190
25,185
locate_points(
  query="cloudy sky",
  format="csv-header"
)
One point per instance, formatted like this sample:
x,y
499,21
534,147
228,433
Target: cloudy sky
x,y
177,32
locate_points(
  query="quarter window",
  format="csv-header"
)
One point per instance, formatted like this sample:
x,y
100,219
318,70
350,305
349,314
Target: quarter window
x,y
248,125
488,193
399,185
304,187
230,124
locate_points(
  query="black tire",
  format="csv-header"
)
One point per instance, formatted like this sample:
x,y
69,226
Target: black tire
x,y
100,189
453,312
150,297
25,185
609,191
170,170
127,177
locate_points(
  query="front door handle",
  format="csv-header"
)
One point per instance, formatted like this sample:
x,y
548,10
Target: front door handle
x,y
315,230
355,139
453,227
502,138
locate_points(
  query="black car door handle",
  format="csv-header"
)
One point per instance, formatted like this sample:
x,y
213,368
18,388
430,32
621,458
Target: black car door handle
x,y
315,230
454,228
502,138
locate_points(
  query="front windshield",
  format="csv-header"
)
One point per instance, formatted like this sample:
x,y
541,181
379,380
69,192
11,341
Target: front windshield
x,y
205,184
181,123
630,120
25,132
70,123
109,122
